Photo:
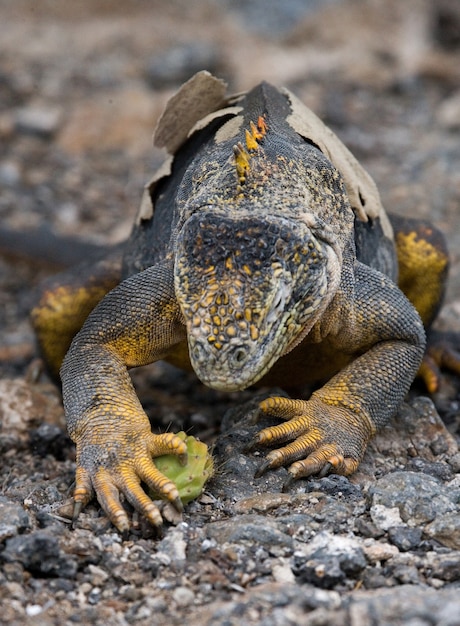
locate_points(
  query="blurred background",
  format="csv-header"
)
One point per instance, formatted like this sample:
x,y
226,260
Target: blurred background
x,y
82,84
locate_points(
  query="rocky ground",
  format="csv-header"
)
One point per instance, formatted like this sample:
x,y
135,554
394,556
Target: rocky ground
x,y
81,85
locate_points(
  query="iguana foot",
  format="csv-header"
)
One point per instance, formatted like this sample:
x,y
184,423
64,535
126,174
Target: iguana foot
x,y
120,466
322,438
438,356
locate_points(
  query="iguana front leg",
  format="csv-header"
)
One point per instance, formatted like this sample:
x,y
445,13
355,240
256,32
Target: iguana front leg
x,y
135,324
330,432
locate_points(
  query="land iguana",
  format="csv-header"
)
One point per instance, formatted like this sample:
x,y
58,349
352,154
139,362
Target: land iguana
x,y
261,253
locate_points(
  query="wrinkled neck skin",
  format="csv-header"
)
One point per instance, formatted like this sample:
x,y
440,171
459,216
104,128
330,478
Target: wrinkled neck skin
x,y
250,288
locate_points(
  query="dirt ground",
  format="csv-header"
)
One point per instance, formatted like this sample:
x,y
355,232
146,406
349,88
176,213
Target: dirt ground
x,y
81,86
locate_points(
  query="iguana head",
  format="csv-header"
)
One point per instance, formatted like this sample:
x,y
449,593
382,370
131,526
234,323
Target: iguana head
x,y
250,288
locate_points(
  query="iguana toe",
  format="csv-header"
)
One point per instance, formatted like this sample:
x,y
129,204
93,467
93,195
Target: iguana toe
x,y
438,356
108,496
322,463
322,438
108,475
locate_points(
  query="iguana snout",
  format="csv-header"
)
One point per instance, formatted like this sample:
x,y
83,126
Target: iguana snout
x,y
247,288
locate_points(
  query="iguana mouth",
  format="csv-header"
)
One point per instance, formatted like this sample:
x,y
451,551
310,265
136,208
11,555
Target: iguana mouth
x,y
247,288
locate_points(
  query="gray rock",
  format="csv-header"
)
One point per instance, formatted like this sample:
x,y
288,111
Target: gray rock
x,y
40,554
405,605
445,25
454,462
367,528
50,439
282,572
177,64
257,529
377,579
278,604
271,17
405,538
173,546
10,173
442,471
334,515
335,485
443,566
446,530
416,432
238,428
13,519
299,525
183,596
406,574
324,572
379,551
419,497
328,560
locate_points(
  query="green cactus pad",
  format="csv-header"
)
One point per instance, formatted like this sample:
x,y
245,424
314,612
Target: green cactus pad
x,y
190,478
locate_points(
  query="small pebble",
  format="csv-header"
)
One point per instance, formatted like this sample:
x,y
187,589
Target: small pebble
x,y
32,610
183,596
40,121
282,572
376,552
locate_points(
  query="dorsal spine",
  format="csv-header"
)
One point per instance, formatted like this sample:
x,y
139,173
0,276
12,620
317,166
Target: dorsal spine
x,y
243,154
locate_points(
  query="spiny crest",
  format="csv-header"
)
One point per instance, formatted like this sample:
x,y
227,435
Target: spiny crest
x,y
243,154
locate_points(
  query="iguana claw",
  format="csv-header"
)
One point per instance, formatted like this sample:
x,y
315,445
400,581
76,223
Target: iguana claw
x,y
77,508
326,469
316,435
266,465
100,471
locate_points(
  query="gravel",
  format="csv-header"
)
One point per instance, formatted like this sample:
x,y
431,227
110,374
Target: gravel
x,y
381,547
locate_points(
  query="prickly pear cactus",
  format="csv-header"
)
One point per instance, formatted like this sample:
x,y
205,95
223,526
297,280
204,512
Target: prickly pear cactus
x,y
189,479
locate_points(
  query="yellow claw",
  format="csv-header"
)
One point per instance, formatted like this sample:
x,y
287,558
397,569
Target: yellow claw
x,y
325,458
125,477
318,437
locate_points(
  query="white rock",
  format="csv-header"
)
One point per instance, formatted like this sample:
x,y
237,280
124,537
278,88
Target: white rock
x,y
385,517
183,596
38,120
282,572
376,552
33,609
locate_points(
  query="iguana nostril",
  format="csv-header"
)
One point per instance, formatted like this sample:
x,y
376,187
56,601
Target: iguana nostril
x,y
239,356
